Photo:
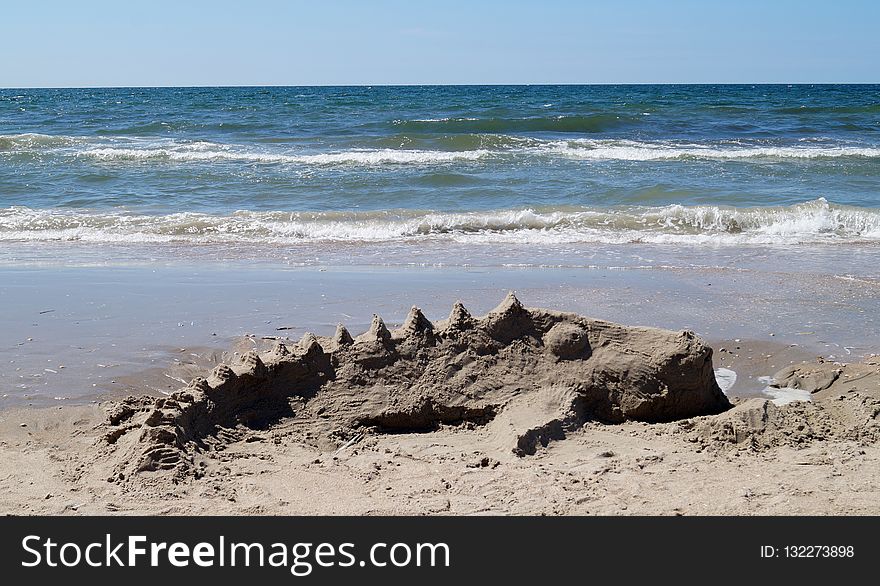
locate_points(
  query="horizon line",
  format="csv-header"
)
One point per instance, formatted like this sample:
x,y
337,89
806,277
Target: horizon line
x,y
370,85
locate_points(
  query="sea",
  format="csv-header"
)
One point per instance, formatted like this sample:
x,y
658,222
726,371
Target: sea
x,y
438,174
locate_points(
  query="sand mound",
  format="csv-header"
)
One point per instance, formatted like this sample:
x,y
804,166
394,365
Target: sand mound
x,y
530,374
811,378
759,424
830,379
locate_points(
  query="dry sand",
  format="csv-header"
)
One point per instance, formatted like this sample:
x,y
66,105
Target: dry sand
x,y
350,449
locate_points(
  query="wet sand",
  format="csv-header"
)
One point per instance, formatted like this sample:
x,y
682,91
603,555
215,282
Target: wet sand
x,y
78,334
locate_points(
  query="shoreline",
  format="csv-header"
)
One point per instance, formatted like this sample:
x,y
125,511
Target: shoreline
x,y
78,330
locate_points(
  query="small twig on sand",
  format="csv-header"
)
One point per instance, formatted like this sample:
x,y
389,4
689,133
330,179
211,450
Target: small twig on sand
x,y
349,443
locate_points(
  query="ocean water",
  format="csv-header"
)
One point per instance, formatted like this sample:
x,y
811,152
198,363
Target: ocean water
x,y
374,172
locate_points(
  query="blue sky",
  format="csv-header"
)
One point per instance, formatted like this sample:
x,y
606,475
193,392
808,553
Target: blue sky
x,y
271,42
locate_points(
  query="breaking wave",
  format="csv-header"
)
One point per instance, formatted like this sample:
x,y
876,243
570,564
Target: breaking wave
x,y
811,222
628,150
210,152
30,141
403,149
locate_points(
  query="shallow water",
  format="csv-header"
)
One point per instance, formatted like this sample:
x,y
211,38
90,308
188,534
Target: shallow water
x,y
75,333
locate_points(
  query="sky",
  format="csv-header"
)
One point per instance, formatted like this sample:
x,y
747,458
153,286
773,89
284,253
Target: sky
x,y
273,42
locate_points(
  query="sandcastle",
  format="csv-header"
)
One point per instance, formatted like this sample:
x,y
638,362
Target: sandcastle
x,y
523,376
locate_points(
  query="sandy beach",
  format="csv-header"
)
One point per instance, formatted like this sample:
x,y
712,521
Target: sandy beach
x,y
755,457
49,466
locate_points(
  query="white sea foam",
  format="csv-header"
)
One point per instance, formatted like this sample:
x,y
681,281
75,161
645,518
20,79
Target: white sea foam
x,y
811,222
465,119
119,148
224,153
782,395
725,378
785,395
30,141
628,150
139,149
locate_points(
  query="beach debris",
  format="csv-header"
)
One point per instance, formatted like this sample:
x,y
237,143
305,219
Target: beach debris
x,y
349,443
725,378
529,376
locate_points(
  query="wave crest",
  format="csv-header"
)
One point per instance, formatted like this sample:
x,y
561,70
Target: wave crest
x,y
408,149
30,141
626,150
811,222
219,153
